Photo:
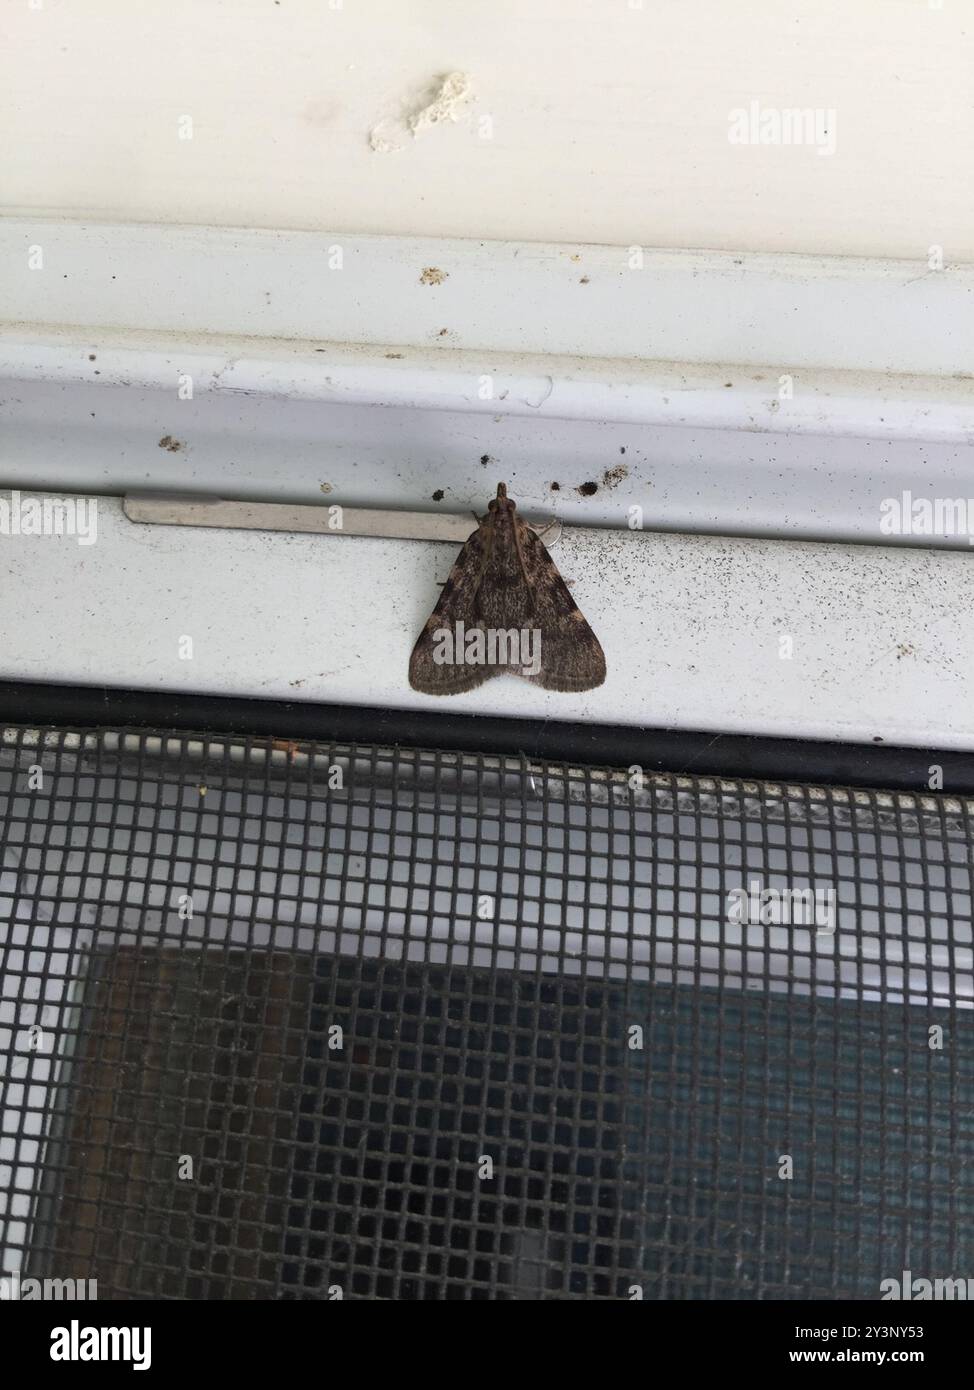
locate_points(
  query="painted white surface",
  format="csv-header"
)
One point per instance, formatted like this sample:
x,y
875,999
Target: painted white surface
x,y
404,389
849,404
691,626
785,313
883,643
609,120
70,436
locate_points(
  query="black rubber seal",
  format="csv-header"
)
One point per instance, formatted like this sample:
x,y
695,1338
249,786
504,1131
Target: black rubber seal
x,y
609,745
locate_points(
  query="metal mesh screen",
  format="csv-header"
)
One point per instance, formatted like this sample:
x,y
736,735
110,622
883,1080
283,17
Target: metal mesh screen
x,y
319,1021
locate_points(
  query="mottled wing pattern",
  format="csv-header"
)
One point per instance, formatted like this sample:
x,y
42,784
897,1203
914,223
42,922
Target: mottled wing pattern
x,y
571,654
455,604
488,590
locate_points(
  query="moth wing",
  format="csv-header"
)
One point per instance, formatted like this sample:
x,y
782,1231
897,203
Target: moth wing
x,y
455,604
571,655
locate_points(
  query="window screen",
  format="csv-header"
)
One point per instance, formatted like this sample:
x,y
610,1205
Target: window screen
x,y
316,1021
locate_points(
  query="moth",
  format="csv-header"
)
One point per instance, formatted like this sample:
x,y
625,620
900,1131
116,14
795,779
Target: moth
x,y
505,609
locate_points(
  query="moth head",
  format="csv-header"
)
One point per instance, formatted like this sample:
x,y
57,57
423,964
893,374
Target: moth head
x,y
501,502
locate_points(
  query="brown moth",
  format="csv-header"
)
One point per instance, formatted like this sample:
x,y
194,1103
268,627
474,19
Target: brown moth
x,y
505,609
